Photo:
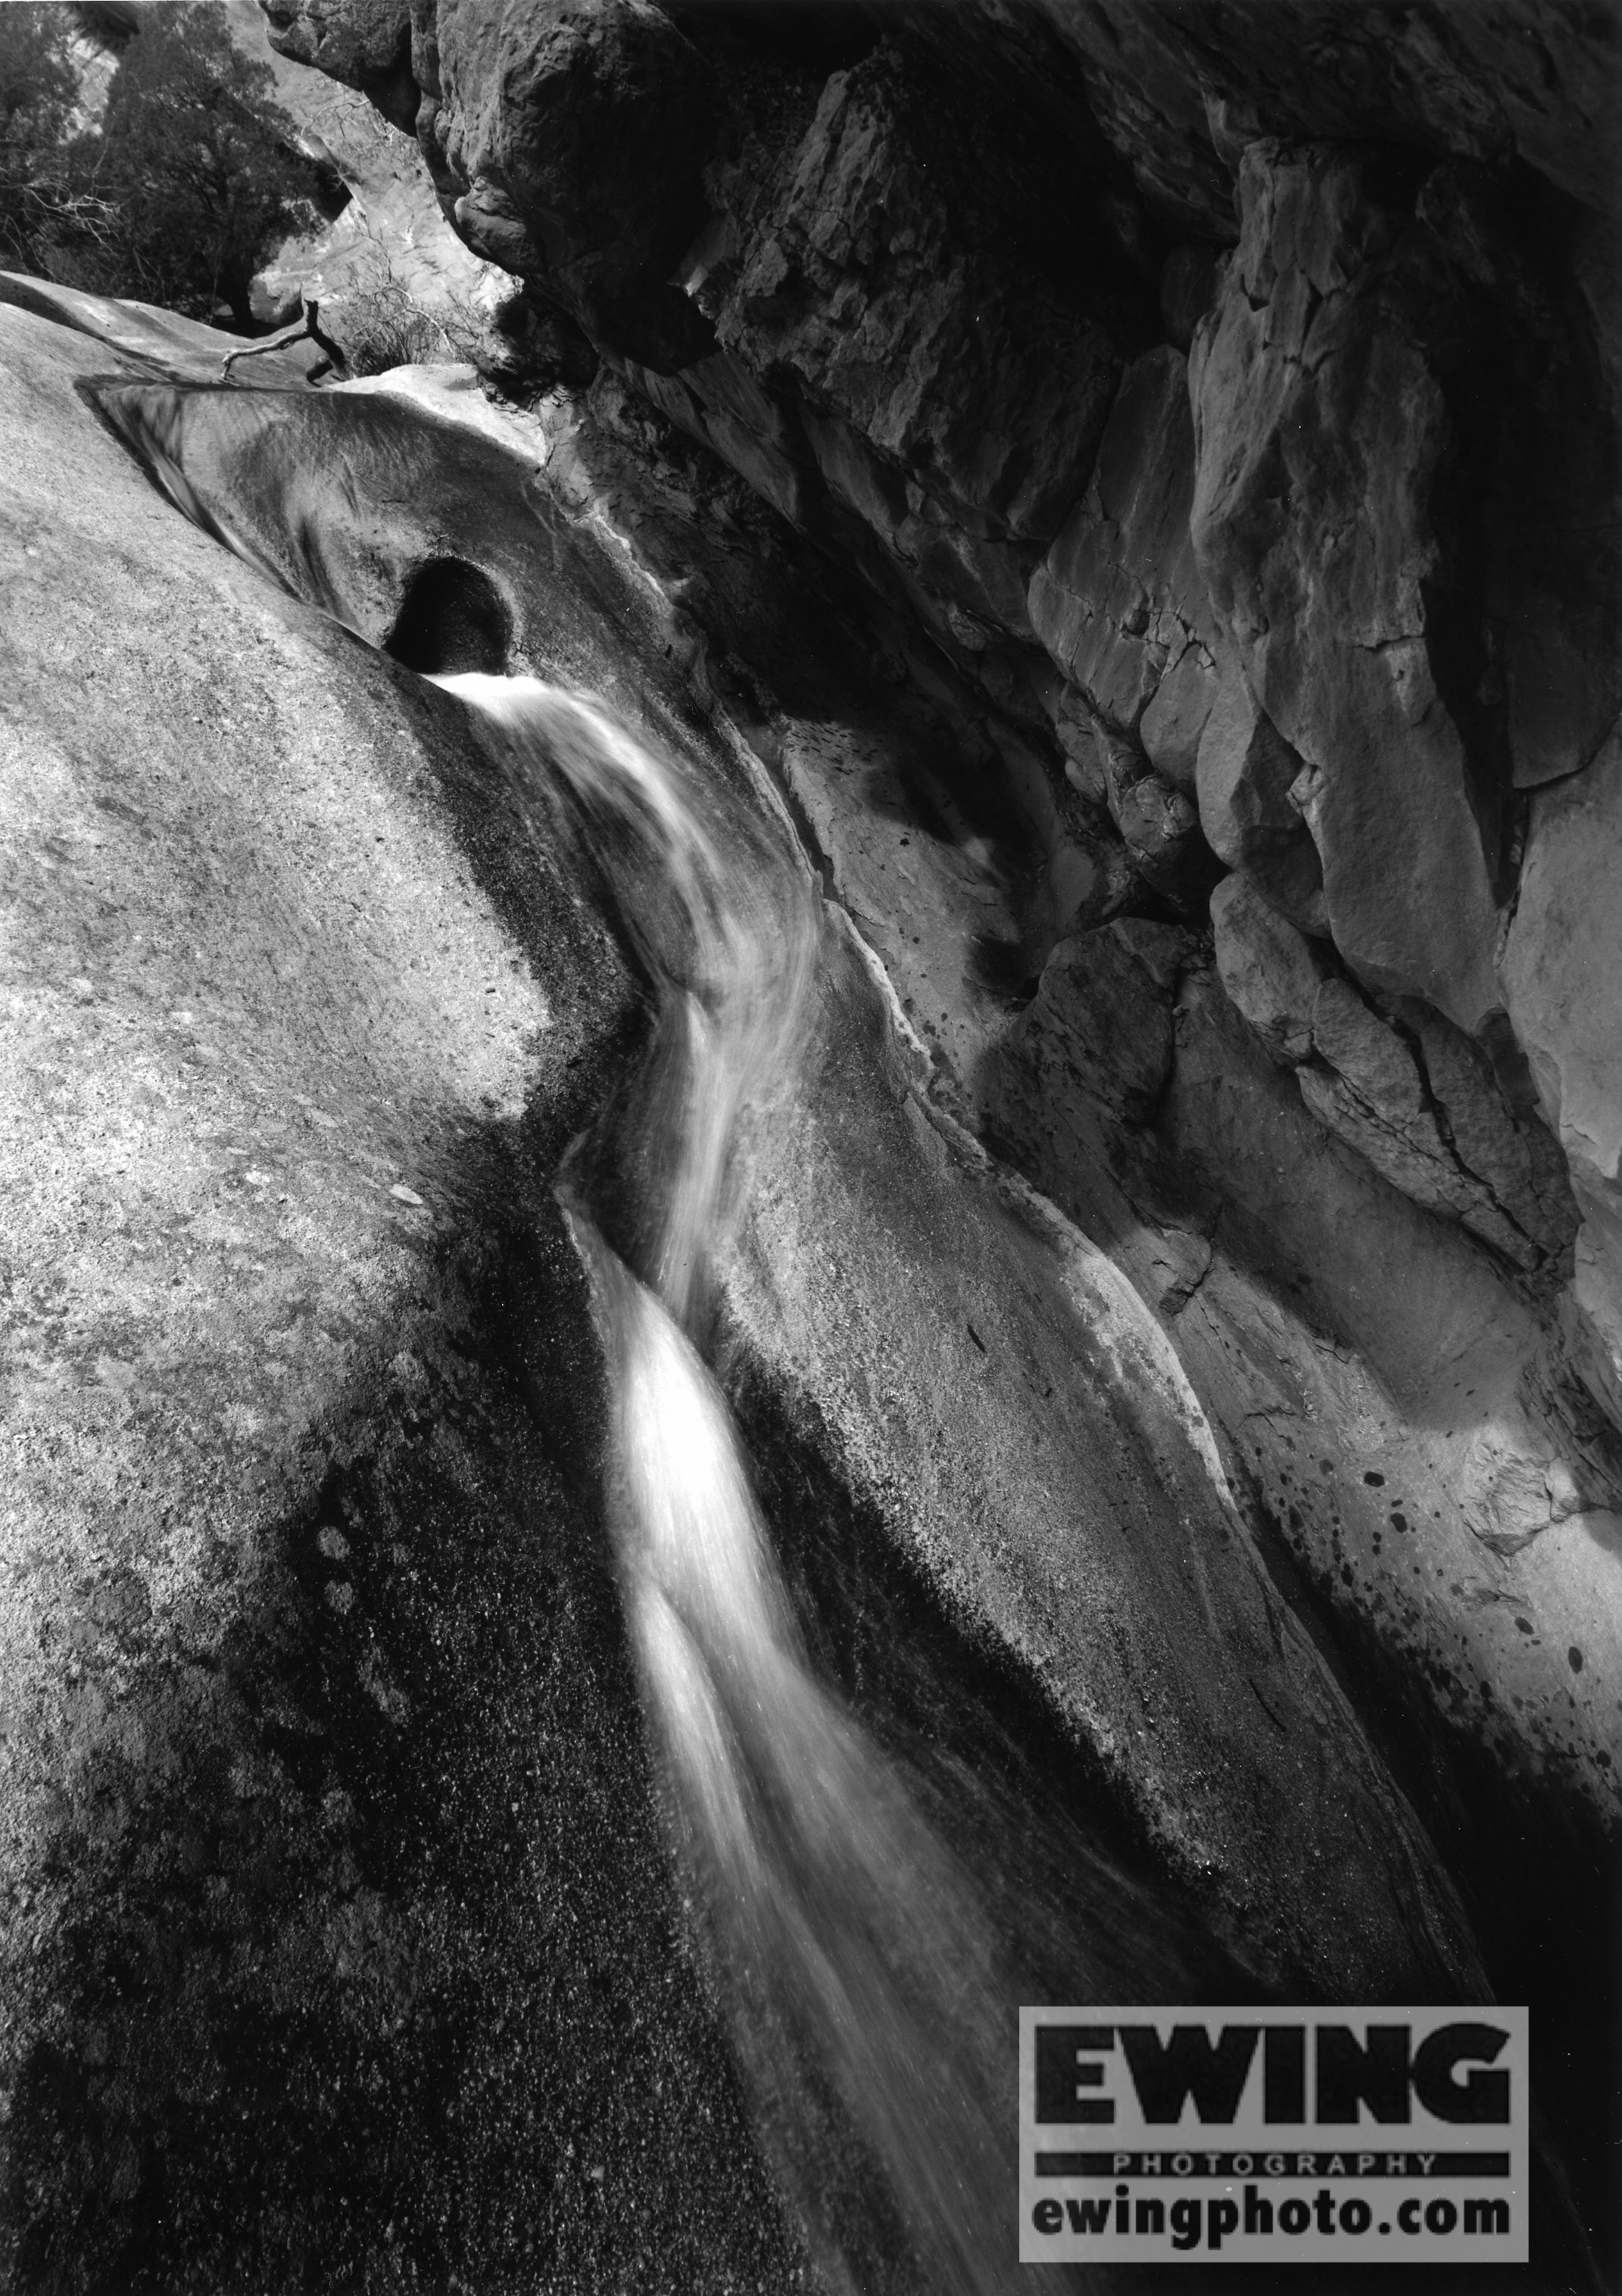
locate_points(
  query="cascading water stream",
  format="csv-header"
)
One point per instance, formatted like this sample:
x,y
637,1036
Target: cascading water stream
x,y
865,1963
853,1948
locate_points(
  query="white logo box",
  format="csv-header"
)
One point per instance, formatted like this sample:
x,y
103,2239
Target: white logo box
x,y
1262,2135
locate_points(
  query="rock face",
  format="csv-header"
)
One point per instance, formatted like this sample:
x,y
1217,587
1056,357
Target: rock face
x,y
1142,484
297,1583
312,1307
1562,1004
1414,1093
1323,436
1119,601
573,158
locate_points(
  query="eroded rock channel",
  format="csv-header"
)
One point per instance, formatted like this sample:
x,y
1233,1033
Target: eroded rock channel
x,y
943,857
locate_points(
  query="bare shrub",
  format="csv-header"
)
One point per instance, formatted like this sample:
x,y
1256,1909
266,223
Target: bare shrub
x,y
381,326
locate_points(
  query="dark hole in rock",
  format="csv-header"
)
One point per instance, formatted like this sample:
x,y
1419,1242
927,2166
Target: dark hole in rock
x,y
452,619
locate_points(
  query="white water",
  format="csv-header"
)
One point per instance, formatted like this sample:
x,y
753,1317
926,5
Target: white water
x,y
858,1965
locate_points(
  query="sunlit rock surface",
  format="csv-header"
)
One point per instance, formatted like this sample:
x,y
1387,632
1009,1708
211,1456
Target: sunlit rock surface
x,y
330,1879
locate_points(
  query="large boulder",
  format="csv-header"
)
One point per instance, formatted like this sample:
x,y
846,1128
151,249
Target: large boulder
x,y
331,1881
567,142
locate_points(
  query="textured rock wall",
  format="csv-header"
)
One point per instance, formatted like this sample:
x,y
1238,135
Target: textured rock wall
x,y
1215,410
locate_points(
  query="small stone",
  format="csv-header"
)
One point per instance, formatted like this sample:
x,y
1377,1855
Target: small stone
x,y
404,1196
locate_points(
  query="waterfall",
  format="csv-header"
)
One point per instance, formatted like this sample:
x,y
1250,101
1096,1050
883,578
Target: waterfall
x,y
871,1930
860,1968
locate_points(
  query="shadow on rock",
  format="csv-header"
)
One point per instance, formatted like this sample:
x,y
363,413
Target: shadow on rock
x,y
359,1960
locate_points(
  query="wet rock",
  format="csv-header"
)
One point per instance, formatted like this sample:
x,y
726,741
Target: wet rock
x,y
295,1638
813,1323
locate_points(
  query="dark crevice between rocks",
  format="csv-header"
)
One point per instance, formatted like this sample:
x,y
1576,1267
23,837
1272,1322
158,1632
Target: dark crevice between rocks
x,y
1437,1111
452,619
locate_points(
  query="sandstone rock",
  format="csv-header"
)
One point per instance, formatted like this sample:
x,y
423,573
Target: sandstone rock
x,y
570,141
1323,431
1119,601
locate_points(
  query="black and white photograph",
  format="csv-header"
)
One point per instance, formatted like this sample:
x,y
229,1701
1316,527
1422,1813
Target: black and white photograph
x,y
810,1147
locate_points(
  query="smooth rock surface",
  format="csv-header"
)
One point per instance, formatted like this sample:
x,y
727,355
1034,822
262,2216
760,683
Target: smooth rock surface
x,y
330,1875
1118,602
